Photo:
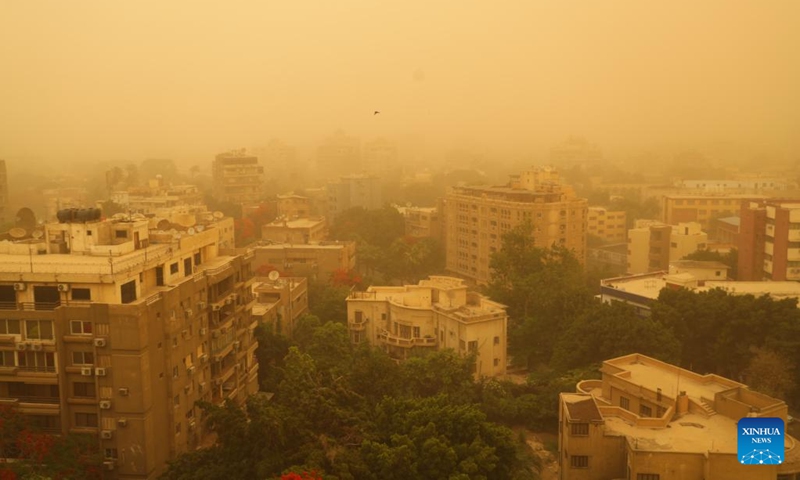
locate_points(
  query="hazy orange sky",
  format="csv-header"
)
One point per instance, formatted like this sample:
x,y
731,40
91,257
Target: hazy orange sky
x,y
136,79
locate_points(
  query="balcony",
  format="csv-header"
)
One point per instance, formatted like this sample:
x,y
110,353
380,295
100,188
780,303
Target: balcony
x,y
29,306
37,369
390,339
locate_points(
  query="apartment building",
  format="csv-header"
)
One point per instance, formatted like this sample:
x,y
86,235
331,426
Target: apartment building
x,y
351,191
608,225
422,222
476,218
652,244
292,205
436,314
313,261
157,196
279,303
649,420
702,208
338,154
295,230
769,240
238,177
116,329
380,157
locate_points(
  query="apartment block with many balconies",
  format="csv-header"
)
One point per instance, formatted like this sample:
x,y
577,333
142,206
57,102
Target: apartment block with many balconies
x,y
436,314
769,240
475,219
115,329
238,177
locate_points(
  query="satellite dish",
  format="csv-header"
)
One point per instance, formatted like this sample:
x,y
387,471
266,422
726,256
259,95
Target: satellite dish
x,y
163,224
118,216
18,232
274,275
191,231
218,215
37,234
186,220
200,228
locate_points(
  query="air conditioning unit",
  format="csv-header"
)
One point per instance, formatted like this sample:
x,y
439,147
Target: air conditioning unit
x,y
203,331
106,434
109,464
100,372
86,371
99,342
216,308
22,346
19,287
105,404
122,422
190,370
63,287
36,347
201,305
124,391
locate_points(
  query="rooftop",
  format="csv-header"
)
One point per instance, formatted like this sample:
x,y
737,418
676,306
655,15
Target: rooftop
x,y
690,433
735,221
582,408
704,264
296,222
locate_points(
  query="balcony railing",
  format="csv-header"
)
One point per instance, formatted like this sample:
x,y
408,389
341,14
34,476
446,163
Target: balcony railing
x,y
49,400
391,339
29,305
37,368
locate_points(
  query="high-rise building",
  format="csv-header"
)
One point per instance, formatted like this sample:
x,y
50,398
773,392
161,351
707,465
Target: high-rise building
x,y
352,191
769,240
380,158
114,328
702,208
238,177
438,313
338,154
649,420
476,218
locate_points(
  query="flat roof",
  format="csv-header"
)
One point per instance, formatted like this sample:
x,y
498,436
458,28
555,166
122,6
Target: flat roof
x,y
690,433
710,264
735,221
653,375
581,407
296,223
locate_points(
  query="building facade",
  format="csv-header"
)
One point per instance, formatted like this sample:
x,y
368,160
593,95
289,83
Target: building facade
x,y
238,177
649,420
295,230
438,313
352,191
769,240
4,197
313,261
422,222
701,208
608,225
110,328
476,218
280,302
652,244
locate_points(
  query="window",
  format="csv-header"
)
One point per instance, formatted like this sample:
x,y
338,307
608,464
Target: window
x,y
160,276
82,358
197,258
579,429
38,329
7,358
648,476
80,328
8,297
111,453
88,233
496,362
645,411
84,389
173,269
128,291
625,403
36,362
120,234
497,340
86,420
473,346
462,345
81,294
176,400
177,429
9,327
579,461
416,332
187,266
174,372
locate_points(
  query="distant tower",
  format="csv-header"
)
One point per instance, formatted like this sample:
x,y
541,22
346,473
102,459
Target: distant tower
x,y
3,193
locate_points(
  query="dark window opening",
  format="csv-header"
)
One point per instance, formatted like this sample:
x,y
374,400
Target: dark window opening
x,y
187,266
173,269
121,234
81,294
128,291
8,297
197,258
46,298
160,275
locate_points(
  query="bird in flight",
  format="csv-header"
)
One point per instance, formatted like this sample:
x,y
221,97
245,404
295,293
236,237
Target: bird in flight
x,y
376,112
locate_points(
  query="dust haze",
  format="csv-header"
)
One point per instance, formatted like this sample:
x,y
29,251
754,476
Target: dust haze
x,y
124,81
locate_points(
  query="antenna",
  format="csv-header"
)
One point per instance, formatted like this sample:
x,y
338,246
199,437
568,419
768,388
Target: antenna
x,y
274,275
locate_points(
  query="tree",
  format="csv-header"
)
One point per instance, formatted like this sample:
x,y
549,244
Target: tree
x,y
610,331
375,227
272,348
771,373
731,259
327,301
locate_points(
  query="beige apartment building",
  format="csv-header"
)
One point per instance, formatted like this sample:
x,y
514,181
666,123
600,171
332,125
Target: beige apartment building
x,y
476,218
4,198
313,261
649,420
422,222
115,329
607,224
280,302
295,230
652,244
238,177
351,191
436,314
293,206
701,208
